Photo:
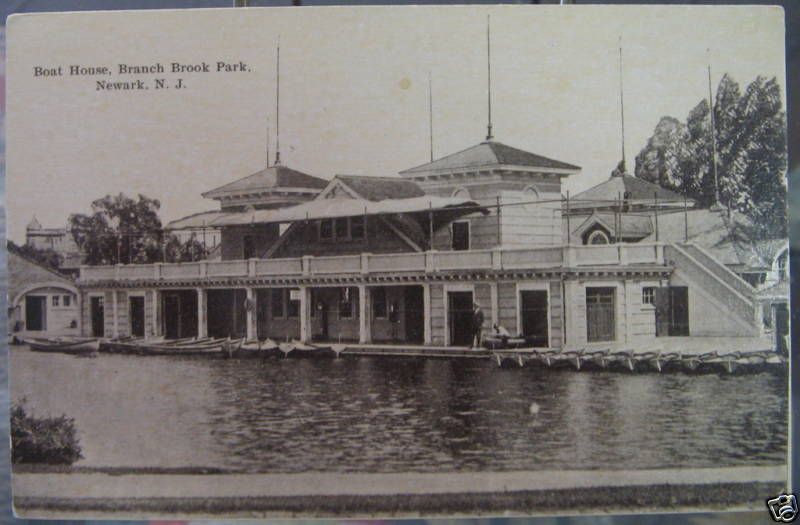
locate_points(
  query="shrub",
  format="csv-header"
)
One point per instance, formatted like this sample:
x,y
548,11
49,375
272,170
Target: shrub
x,y
51,440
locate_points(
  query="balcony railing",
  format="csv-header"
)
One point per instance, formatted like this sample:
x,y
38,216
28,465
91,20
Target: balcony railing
x,y
369,263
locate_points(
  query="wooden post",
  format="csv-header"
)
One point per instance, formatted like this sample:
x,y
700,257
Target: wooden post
x,y
655,199
499,224
364,328
569,230
115,317
430,225
202,313
685,220
426,301
305,314
250,313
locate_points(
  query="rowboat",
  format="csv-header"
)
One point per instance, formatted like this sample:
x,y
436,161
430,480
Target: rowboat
x,y
300,349
64,345
200,347
258,348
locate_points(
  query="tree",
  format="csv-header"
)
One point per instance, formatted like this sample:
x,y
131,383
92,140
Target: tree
x,y
191,250
44,256
751,154
119,230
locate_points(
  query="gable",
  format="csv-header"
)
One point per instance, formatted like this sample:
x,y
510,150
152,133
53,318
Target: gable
x,y
24,273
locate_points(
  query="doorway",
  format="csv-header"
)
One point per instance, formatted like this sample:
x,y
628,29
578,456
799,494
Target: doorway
x,y
414,314
97,314
459,314
180,314
136,309
36,313
600,318
672,311
533,317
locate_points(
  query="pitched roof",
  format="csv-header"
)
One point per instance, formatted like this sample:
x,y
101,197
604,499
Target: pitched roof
x,y
196,220
631,226
491,153
380,188
269,178
34,224
616,186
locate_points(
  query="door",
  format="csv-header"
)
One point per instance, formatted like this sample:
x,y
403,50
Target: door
x,y
136,309
461,235
679,310
35,313
97,313
459,313
414,314
322,308
661,302
533,314
600,318
172,316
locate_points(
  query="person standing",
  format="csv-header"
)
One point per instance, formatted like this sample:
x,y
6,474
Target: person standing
x,y
477,325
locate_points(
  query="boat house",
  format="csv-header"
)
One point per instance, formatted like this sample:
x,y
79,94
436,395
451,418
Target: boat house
x,y
402,259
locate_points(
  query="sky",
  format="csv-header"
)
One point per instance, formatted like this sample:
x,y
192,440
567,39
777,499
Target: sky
x,y
354,92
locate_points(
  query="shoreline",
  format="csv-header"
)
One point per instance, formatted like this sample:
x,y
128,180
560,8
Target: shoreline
x,y
325,494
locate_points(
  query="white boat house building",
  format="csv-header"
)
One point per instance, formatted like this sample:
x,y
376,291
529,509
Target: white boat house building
x,y
401,260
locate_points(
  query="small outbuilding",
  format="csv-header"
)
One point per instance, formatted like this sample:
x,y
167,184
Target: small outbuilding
x,y
41,301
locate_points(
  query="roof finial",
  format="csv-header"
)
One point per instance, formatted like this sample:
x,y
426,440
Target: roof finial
x,y
489,75
715,204
621,104
430,111
278,105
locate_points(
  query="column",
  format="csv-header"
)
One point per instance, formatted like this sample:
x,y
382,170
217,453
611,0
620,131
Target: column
x,y
628,291
305,314
364,324
115,330
80,313
495,304
155,329
250,311
202,313
426,303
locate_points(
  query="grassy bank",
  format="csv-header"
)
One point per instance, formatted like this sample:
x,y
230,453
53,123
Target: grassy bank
x,y
574,501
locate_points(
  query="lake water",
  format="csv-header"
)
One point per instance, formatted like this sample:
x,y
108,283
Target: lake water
x,y
378,414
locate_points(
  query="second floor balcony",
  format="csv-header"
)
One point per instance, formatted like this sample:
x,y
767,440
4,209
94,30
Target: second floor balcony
x,y
365,264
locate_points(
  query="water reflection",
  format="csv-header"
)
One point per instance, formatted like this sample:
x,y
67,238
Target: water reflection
x,y
385,414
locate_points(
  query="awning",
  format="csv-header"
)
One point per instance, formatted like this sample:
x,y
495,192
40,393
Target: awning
x,y
333,208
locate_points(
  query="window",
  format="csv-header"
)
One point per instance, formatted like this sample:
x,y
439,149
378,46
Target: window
x,y
649,295
248,247
326,229
67,300
276,300
341,228
379,302
782,260
598,237
460,239
292,306
600,318
357,227
346,303
56,300
462,193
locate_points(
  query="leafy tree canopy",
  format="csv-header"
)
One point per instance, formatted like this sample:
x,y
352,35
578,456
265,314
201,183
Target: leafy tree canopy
x,y
119,230
751,153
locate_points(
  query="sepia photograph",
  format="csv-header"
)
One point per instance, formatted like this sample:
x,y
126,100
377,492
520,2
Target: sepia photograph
x,y
398,262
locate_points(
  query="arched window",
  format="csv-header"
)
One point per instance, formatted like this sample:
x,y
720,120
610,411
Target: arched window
x,y
782,261
461,192
598,237
529,197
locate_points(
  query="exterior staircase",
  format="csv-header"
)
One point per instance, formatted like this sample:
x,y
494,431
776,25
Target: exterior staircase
x,y
732,295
